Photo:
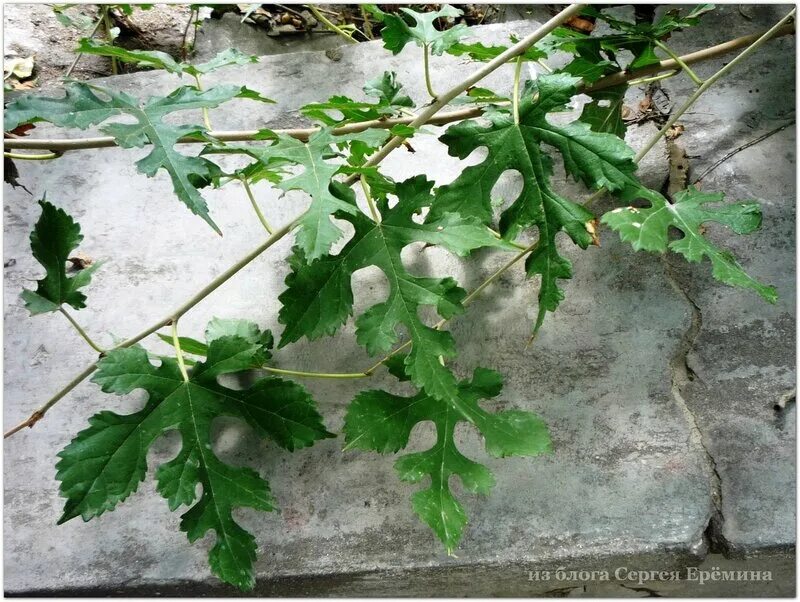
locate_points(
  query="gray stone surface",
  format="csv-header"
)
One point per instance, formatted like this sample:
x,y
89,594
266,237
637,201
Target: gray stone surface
x,y
640,451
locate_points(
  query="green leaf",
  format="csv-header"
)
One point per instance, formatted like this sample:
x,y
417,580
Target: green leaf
x,y
154,59
385,88
249,94
53,238
590,70
604,112
479,52
76,20
388,91
479,95
161,60
225,58
249,331
316,232
319,297
396,33
82,108
221,327
647,229
599,160
188,344
105,463
379,421
637,38
350,111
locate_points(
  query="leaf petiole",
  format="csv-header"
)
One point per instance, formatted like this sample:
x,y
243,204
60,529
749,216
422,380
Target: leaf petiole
x,y
695,78
426,63
655,78
515,100
256,208
206,117
376,216
303,374
81,331
176,342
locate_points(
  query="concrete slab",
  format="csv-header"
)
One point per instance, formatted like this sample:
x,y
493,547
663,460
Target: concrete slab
x,y
630,483
741,356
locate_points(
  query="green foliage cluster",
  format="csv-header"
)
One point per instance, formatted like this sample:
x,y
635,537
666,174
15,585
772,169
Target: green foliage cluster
x,y
104,464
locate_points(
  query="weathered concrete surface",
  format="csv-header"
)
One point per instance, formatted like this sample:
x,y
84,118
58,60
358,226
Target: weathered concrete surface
x,y
630,483
742,356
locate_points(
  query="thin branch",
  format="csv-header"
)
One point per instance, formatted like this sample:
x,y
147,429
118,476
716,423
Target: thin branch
x,y
39,414
81,331
65,144
711,52
26,157
202,294
741,148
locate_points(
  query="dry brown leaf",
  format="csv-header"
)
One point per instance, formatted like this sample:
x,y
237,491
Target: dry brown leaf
x,y
80,261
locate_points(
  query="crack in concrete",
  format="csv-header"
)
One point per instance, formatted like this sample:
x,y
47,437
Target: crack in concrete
x,y
681,374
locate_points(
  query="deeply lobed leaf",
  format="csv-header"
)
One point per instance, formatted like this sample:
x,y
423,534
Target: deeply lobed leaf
x,y
396,32
81,108
600,160
647,229
477,51
316,232
382,422
156,59
319,297
105,463
385,88
53,238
